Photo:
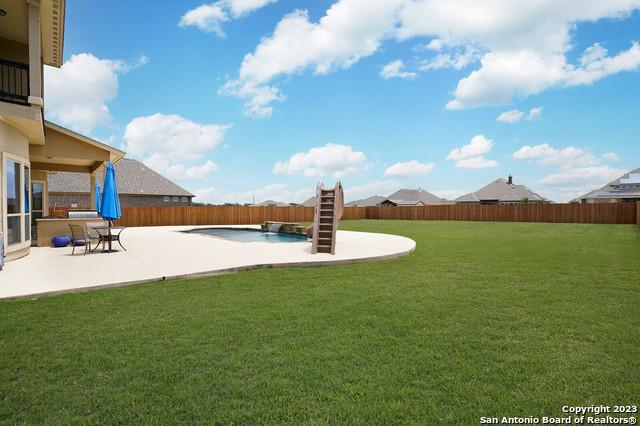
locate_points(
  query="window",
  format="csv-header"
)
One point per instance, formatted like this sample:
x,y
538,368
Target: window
x,y
184,199
176,199
166,199
18,202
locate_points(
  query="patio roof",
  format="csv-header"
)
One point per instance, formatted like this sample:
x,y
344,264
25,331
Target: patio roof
x,y
67,151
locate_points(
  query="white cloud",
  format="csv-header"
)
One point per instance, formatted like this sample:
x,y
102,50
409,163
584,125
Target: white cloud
x,y
77,93
524,43
546,155
210,17
277,192
409,168
534,113
516,115
179,171
471,156
456,59
573,182
329,160
435,44
476,163
512,116
349,31
595,64
611,157
589,176
479,145
378,187
172,144
394,70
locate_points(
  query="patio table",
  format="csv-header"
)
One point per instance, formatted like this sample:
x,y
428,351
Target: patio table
x,y
106,235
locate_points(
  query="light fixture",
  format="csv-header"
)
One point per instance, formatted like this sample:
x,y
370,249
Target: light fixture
x,y
3,12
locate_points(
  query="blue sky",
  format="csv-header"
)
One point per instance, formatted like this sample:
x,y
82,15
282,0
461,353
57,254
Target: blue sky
x,y
267,97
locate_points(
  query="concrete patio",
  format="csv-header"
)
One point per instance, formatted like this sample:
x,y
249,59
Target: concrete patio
x,y
159,253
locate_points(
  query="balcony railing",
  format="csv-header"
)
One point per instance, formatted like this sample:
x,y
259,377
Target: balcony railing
x,y
14,82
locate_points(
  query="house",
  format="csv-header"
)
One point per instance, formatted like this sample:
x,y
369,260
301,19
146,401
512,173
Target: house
x,y
396,202
366,202
310,202
502,191
272,203
138,186
402,197
624,189
32,35
425,197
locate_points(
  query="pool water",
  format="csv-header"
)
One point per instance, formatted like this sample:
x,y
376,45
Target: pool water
x,y
251,235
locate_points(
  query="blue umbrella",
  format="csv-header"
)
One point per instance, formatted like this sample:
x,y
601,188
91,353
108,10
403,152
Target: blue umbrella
x,y
98,198
110,207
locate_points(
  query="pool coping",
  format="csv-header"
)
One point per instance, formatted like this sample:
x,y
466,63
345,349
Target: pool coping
x,y
213,273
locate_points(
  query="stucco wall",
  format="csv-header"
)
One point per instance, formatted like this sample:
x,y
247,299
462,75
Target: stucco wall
x,y
83,201
12,141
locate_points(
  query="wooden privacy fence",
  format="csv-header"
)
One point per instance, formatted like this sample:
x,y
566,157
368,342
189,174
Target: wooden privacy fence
x,y
613,213
221,215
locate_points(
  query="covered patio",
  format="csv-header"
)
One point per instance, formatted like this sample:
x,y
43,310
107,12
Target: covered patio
x,y
64,151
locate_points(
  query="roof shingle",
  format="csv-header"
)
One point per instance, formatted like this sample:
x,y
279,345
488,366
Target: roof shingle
x,y
133,178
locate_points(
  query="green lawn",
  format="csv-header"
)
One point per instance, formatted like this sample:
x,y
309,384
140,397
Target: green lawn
x,y
484,319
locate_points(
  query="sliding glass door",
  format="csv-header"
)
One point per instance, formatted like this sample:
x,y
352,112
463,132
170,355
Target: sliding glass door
x,y
17,192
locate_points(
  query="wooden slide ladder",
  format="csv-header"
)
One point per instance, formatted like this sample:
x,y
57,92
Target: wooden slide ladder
x,y
328,211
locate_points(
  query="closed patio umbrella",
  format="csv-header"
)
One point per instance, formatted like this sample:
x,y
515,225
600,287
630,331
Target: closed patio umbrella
x,y
98,198
110,208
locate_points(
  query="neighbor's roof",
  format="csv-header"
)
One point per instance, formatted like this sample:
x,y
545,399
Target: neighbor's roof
x,y
272,203
417,195
398,202
611,189
133,178
366,202
310,202
500,190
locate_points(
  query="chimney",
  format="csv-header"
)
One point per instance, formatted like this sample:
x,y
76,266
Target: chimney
x,y
510,180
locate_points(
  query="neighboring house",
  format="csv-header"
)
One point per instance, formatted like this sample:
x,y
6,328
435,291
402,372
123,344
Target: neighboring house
x,y
32,35
310,202
395,202
402,197
272,203
624,189
138,186
427,198
502,191
366,202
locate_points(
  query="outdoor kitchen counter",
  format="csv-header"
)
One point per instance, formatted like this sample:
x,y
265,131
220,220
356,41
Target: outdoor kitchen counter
x,y
47,228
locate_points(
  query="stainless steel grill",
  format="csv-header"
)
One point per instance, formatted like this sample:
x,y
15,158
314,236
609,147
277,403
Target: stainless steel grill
x,y
82,214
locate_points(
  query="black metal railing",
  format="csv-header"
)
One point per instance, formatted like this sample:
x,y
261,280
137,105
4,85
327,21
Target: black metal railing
x,y
14,82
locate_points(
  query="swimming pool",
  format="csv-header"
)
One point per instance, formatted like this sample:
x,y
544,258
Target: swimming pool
x,y
251,235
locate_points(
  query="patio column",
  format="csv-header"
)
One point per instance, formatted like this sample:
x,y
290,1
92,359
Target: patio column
x,y
35,53
92,189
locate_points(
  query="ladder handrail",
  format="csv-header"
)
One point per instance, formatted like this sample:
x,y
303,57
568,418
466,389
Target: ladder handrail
x,y
316,219
338,206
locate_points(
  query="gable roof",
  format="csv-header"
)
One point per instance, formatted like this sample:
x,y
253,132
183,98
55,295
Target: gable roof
x,y
366,202
310,202
133,178
417,195
397,202
502,191
613,190
272,203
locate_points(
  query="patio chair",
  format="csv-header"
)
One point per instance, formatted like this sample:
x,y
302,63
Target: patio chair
x,y
80,238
